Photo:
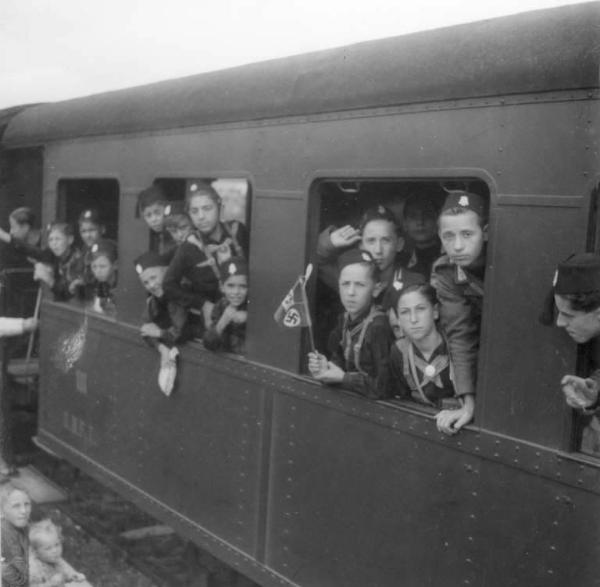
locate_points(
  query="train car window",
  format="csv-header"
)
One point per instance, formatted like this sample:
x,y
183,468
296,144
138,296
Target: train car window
x,y
195,275
78,195
235,194
344,214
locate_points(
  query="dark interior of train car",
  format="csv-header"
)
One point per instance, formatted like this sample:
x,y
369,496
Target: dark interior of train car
x,y
344,201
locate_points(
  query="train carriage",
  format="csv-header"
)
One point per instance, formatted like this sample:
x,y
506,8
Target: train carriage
x,y
291,482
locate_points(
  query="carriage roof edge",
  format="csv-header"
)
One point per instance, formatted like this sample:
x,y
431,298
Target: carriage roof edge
x,y
541,51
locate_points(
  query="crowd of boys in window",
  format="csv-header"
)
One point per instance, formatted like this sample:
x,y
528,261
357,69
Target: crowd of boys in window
x,y
411,316
195,270
411,309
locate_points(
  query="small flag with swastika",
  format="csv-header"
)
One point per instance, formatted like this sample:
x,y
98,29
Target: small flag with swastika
x,y
293,311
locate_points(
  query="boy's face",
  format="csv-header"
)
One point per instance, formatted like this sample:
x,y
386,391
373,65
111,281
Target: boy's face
x,y
416,315
59,242
49,549
462,237
154,216
17,509
102,268
357,288
379,238
420,225
235,289
180,232
580,326
152,280
90,233
18,231
204,213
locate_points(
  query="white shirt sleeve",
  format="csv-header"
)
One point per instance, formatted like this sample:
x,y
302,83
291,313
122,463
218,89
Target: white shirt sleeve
x,y
11,326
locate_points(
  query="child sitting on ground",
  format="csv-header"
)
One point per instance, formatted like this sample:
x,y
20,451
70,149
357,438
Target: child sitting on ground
x,y
360,344
420,367
165,323
15,510
228,330
151,204
47,567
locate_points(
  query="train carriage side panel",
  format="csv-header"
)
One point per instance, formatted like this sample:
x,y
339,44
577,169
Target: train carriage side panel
x,y
196,452
407,146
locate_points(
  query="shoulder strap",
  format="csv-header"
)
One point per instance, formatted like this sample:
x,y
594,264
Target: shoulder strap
x,y
197,242
232,228
402,345
373,313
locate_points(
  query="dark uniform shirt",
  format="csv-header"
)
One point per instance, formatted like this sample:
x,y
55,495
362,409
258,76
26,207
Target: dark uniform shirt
x,y
67,268
20,288
192,276
460,292
370,377
233,337
435,387
162,242
170,317
420,260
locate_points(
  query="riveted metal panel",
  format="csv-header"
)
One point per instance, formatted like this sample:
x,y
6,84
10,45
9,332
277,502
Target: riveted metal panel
x,y
196,451
354,503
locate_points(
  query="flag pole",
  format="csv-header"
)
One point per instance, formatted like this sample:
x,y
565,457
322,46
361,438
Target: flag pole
x,y
303,281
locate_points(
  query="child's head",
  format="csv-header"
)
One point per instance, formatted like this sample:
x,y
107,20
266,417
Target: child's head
x,y
60,238
463,228
15,505
576,290
177,222
151,206
379,236
104,260
91,228
234,281
417,309
151,268
358,281
45,538
420,215
203,205
21,222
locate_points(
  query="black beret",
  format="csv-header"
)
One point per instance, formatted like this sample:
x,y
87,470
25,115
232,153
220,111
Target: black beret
x,y
235,266
403,280
377,213
104,247
150,259
354,256
175,207
149,197
579,274
466,200
90,215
